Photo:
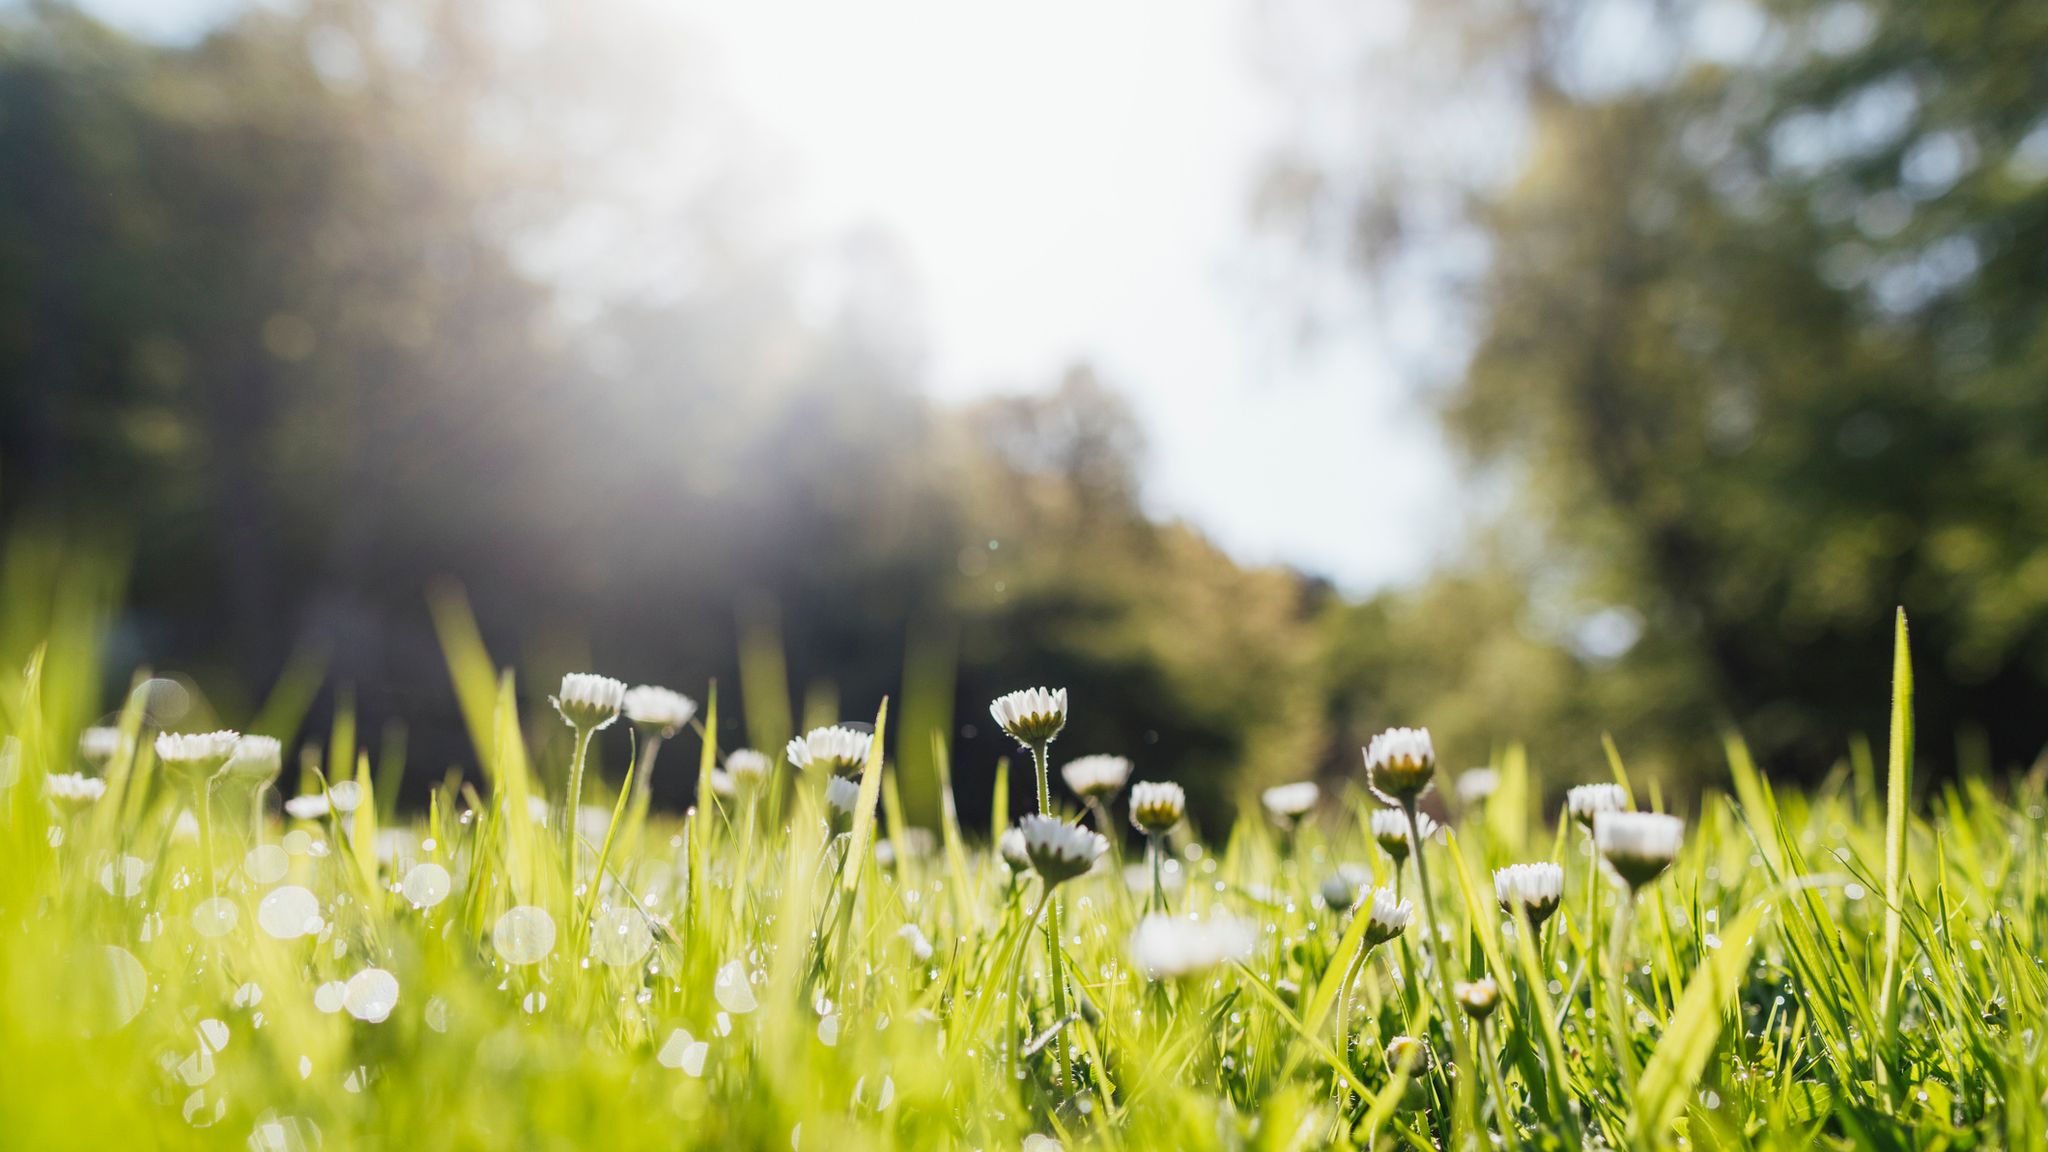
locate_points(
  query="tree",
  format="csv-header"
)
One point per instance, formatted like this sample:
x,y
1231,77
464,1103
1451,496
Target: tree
x,y
1760,340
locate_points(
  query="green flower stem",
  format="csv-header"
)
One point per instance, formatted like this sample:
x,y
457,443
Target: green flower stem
x,y
1443,986
1617,994
1155,846
202,811
1051,902
643,788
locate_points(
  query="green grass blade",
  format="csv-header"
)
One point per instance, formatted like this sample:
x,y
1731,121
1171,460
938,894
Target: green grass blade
x,y
1675,1067
1898,788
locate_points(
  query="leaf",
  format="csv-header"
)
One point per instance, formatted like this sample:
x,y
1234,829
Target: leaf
x,y
469,668
864,810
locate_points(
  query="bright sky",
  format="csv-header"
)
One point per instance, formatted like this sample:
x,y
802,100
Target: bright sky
x,y
1069,179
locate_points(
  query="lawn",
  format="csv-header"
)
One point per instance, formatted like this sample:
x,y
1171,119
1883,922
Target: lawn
x,y
189,963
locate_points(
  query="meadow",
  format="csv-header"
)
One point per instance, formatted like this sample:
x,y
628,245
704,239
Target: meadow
x,y
209,941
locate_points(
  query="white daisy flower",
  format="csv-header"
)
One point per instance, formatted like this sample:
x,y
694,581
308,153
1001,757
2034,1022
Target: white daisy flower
x,y
1341,889
1535,889
1386,916
1400,765
99,745
1639,846
195,757
256,760
657,710
1477,997
314,806
1096,777
588,701
842,797
838,749
1475,785
1391,832
1156,806
1410,1051
1058,850
73,790
1010,846
1589,800
723,785
1032,716
914,939
1173,948
748,767
1288,803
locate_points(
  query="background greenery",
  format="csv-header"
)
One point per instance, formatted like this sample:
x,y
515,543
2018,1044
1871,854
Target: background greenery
x,y
1757,353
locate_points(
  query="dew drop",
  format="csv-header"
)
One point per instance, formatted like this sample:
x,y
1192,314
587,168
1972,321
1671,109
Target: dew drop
x,y
128,884
620,937
124,988
426,885
213,1034
330,996
289,912
732,990
524,935
371,995
274,1133
215,917
267,863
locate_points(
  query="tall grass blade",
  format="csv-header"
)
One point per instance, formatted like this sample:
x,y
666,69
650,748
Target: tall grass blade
x,y
1898,790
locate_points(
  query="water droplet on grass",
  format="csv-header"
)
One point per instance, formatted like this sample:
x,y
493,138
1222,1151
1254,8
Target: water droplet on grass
x,y
371,995
733,991
213,1034
426,885
524,935
215,917
128,884
289,912
267,863
620,937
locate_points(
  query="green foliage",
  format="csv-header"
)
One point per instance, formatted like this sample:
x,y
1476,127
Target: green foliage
x,y
1758,350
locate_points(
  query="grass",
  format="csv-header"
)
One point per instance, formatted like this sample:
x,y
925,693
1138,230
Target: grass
x,y
1828,969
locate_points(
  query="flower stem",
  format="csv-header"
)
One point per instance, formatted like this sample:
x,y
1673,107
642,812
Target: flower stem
x,y
1617,993
1055,969
202,811
1442,990
1156,848
643,787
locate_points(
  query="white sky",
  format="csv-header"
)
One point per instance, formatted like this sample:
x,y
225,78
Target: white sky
x,y
1069,179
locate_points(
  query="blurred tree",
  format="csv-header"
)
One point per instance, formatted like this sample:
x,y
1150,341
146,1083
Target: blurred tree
x,y
1197,669
354,295
1760,336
